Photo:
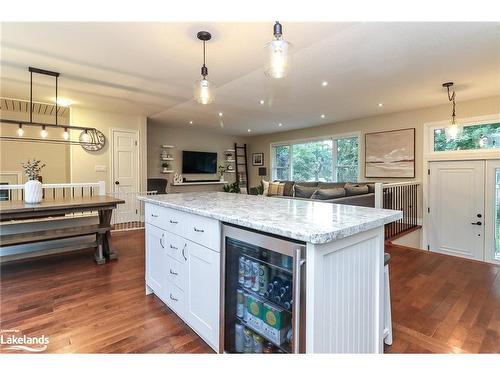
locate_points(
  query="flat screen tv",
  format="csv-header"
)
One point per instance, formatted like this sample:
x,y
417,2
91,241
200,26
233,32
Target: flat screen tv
x,y
199,162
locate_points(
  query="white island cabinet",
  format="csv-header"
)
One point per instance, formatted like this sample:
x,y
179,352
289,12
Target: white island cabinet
x,y
341,293
183,267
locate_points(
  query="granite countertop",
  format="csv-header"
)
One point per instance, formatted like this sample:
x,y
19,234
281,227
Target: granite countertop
x,y
308,221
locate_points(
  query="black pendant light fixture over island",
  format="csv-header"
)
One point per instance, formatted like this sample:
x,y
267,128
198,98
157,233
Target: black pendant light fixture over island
x,y
203,88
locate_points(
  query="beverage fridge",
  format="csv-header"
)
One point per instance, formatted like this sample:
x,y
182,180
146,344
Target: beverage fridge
x,y
262,293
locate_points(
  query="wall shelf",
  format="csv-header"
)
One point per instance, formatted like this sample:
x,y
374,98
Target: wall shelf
x,y
167,159
200,183
165,172
167,146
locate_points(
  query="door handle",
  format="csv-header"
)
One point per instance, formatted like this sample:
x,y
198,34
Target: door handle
x,y
477,223
117,182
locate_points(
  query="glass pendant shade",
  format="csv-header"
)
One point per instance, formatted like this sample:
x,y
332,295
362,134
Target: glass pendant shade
x,y
66,134
85,137
203,91
20,131
279,58
43,133
453,131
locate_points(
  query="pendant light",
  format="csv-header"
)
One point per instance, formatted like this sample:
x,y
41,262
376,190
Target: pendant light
x,y
203,88
279,51
453,130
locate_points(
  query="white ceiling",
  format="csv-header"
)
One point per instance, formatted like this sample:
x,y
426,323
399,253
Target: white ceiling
x,y
149,68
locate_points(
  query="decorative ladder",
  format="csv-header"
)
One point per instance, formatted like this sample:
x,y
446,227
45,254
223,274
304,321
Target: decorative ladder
x,y
241,167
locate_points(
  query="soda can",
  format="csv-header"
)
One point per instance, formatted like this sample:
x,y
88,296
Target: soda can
x,y
247,341
239,338
257,343
248,273
241,270
263,279
255,276
240,303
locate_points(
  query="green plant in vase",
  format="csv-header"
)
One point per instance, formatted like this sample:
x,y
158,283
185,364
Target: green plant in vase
x,y
33,192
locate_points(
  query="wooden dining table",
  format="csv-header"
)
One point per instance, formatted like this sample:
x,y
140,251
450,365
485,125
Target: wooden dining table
x,y
59,207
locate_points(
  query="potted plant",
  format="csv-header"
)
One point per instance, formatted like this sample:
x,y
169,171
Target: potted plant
x,y
231,188
33,187
222,170
165,167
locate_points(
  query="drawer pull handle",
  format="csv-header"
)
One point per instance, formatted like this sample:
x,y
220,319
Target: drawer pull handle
x,y
173,273
173,298
173,247
174,222
183,250
154,215
198,230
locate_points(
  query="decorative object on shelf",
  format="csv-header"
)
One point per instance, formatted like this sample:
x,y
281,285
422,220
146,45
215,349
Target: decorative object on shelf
x,y
203,88
390,154
453,130
231,188
230,168
177,178
165,167
279,51
222,169
65,129
92,140
33,192
258,159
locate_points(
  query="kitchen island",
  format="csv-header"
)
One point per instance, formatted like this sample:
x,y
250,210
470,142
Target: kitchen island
x,y
336,255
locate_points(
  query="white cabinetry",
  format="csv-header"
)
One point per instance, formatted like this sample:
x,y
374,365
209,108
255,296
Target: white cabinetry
x,y
183,267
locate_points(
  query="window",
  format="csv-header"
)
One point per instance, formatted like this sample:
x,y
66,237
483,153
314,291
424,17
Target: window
x,y
328,159
473,137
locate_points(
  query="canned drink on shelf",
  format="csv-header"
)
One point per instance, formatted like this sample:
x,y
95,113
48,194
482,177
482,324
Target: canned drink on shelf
x,y
245,306
248,273
263,278
247,341
240,303
241,270
257,343
239,338
255,276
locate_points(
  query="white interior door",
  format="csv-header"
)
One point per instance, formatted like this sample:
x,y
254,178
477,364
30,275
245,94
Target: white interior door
x,y
492,212
456,208
125,174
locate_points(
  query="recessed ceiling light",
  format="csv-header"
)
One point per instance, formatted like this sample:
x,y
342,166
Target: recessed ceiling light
x,y
323,116
280,124
324,83
220,114
261,101
249,130
191,122
380,105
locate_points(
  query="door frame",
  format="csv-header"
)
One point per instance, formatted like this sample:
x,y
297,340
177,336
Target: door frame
x,y
489,210
111,160
429,155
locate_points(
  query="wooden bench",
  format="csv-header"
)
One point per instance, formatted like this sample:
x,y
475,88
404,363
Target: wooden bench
x,y
100,230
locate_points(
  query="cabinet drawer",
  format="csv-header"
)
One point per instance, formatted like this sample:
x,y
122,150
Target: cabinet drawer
x,y
165,218
175,299
203,230
177,273
175,246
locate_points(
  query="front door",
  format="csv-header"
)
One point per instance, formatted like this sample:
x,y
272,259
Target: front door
x,y
125,174
456,208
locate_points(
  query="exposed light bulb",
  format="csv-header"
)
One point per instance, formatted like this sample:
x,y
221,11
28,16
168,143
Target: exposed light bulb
x,y
43,133
20,131
279,55
249,130
324,83
66,134
261,102
380,105
220,114
202,91
280,124
85,138
323,116
453,131
191,122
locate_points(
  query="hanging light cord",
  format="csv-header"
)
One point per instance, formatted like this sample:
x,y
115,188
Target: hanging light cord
x,y
451,98
204,70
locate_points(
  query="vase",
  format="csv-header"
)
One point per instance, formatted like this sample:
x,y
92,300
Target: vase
x,y
33,191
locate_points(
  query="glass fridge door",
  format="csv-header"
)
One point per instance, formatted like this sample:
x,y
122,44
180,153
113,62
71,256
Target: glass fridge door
x,y
260,315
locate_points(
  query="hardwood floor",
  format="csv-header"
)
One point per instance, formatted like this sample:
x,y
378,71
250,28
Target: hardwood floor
x,y
440,304
443,304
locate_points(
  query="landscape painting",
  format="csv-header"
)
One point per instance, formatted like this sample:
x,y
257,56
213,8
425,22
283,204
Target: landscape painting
x,y
390,154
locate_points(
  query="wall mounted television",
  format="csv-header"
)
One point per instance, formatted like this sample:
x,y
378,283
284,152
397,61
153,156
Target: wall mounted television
x,y
199,162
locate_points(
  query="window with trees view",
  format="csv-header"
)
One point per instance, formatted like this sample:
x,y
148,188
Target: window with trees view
x,y
472,137
328,159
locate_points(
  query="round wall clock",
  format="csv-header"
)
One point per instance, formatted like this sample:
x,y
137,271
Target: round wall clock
x,y
92,140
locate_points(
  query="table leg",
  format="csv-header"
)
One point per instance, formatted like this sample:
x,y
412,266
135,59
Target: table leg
x,y
99,258
105,219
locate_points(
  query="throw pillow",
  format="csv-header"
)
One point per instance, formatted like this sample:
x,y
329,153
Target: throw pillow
x,y
371,188
355,189
275,188
265,184
324,194
304,191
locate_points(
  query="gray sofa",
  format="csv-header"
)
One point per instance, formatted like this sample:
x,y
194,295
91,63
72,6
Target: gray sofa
x,y
350,193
